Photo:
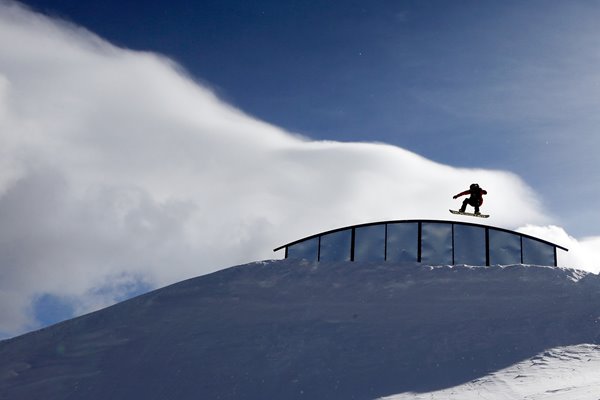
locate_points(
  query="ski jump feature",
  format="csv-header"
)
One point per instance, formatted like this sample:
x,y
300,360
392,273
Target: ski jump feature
x,y
475,199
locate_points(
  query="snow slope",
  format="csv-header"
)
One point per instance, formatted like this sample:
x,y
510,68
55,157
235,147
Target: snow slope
x,y
564,373
293,330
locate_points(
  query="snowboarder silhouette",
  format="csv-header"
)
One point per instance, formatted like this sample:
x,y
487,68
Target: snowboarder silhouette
x,y
475,199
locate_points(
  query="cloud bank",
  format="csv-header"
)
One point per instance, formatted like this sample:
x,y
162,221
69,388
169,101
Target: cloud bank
x,y
119,172
583,253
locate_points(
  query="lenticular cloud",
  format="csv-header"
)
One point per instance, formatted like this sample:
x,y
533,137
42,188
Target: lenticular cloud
x,y
118,170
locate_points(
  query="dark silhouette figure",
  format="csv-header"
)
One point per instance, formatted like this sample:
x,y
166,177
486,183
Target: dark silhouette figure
x,y
475,199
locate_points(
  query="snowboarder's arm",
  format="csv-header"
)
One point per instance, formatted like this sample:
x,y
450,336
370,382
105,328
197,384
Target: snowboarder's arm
x,y
462,194
483,191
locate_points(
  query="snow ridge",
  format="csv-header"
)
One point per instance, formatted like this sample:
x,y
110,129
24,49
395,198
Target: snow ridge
x,y
562,373
297,330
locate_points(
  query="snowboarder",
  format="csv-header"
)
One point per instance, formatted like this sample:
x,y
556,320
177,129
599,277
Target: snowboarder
x,y
475,199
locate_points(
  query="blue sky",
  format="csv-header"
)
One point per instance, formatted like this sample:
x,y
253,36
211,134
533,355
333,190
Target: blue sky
x,y
509,85
146,143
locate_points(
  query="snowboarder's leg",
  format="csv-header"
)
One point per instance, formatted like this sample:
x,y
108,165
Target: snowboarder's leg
x,y
476,204
464,205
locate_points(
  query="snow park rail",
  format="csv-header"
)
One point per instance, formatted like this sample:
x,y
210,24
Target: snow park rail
x,y
425,241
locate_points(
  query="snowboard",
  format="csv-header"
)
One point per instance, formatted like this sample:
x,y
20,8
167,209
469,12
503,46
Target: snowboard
x,y
470,214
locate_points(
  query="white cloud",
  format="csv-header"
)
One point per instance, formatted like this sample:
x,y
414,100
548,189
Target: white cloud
x,y
116,169
583,253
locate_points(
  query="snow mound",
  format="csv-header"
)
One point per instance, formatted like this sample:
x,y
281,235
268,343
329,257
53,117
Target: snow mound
x,y
563,373
290,330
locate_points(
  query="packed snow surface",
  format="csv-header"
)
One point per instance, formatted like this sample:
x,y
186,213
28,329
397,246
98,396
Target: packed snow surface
x,y
295,330
562,373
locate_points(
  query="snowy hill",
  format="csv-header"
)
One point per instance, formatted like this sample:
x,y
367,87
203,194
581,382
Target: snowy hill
x,y
292,330
562,373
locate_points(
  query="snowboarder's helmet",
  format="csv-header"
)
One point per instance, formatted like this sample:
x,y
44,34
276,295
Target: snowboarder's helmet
x,y
474,186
